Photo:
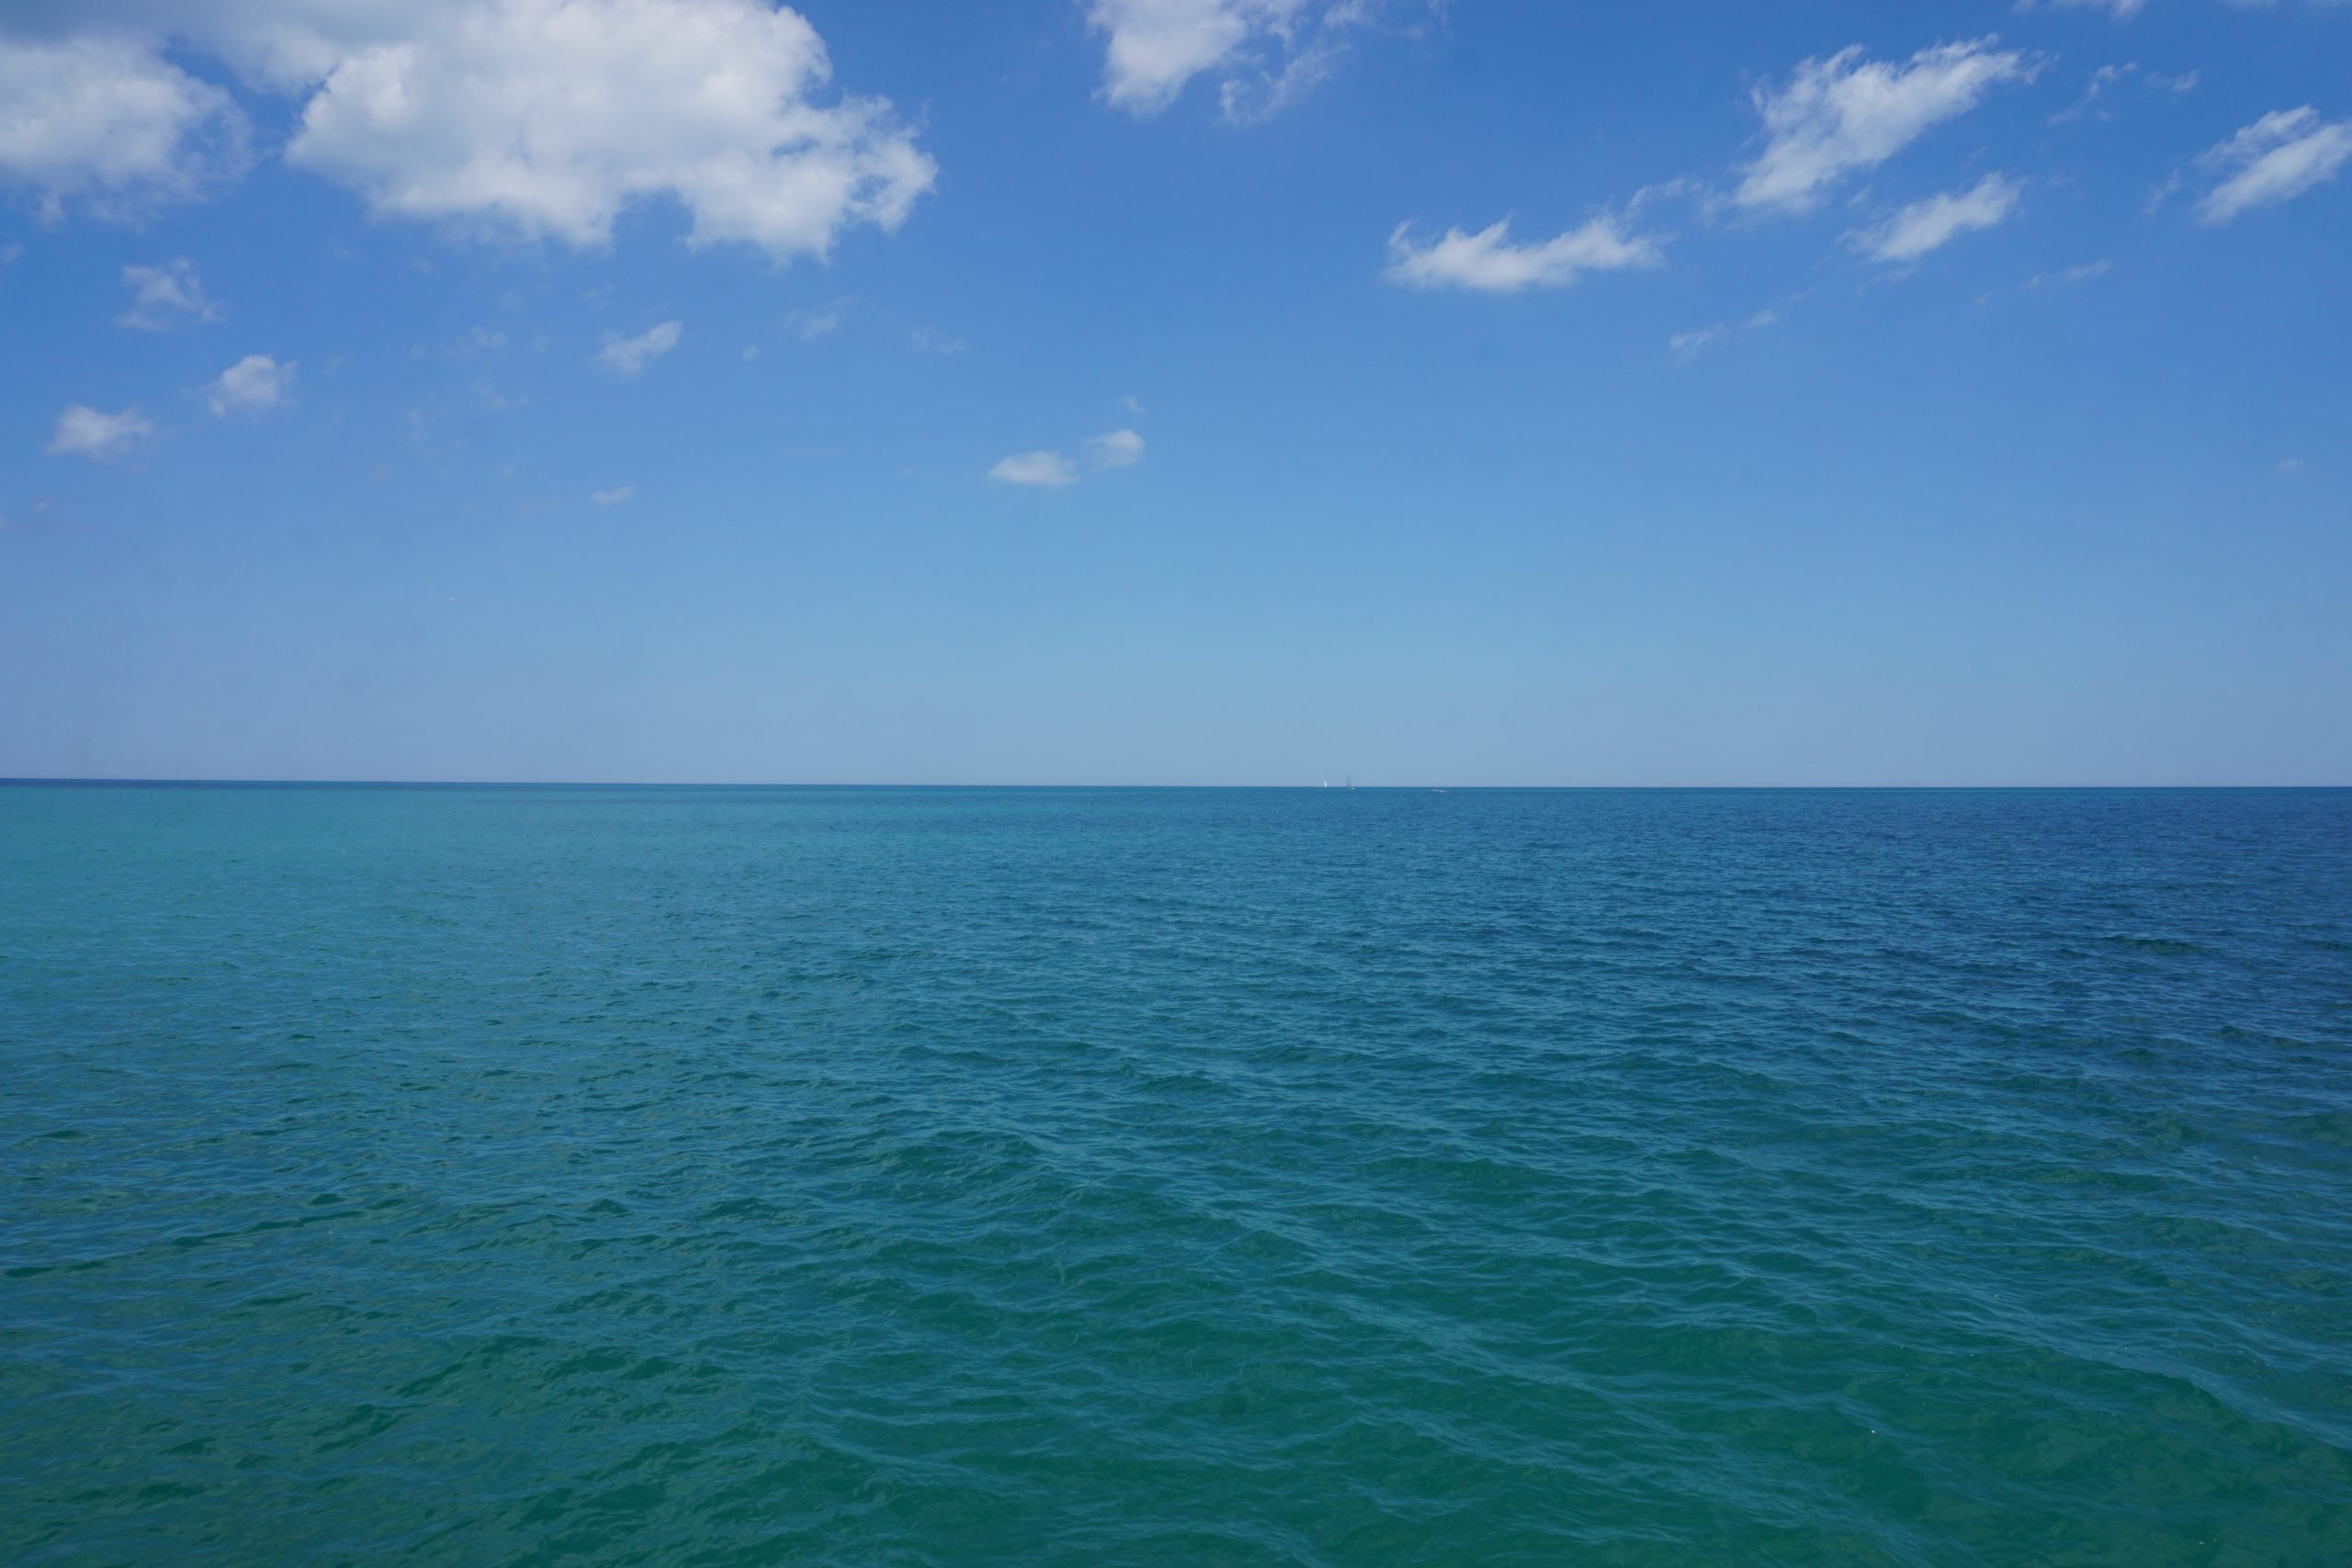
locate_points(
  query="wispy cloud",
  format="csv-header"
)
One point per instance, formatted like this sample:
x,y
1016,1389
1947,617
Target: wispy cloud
x,y
1926,225
1491,262
2276,159
2107,76
1849,113
627,356
2072,275
816,323
1688,346
617,496
167,296
2120,9
1049,470
82,432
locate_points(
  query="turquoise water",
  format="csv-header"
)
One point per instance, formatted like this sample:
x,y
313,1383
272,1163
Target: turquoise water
x,y
1170,1177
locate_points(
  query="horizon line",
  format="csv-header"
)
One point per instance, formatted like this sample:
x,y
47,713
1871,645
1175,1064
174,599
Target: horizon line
x,y
164,782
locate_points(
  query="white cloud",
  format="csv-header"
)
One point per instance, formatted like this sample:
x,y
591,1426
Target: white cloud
x,y
1925,225
1489,260
254,385
627,356
1265,52
102,122
814,323
1047,468
83,432
2277,158
162,296
1152,48
1687,347
2120,9
1118,449
1846,113
543,118
616,496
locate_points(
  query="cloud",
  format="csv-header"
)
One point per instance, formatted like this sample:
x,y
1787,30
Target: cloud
x,y
816,323
1926,225
1688,346
1118,449
103,122
2107,76
2081,273
616,496
1846,113
1266,54
627,356
2119,9
164,297
2277,158
253,385
1487,260
83,432
1050,469
545,119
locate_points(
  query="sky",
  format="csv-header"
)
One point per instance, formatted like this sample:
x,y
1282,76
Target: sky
x,y
1177,392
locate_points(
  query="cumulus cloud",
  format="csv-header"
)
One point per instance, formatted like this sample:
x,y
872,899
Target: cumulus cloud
x,y
254,384
1117,449
101,122
1263,52
83,432
1489,260
2277,158
1050,469
542,118
616,496
167,296
627,356
1847,113
1926,225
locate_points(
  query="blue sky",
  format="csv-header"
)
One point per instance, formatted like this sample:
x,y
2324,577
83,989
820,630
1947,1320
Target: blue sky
x,y
1141,392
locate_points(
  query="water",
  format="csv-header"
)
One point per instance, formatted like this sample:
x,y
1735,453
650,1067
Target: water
x,y
1082,1177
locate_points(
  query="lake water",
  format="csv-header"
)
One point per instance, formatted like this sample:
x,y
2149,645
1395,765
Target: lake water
x,y
820,1176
